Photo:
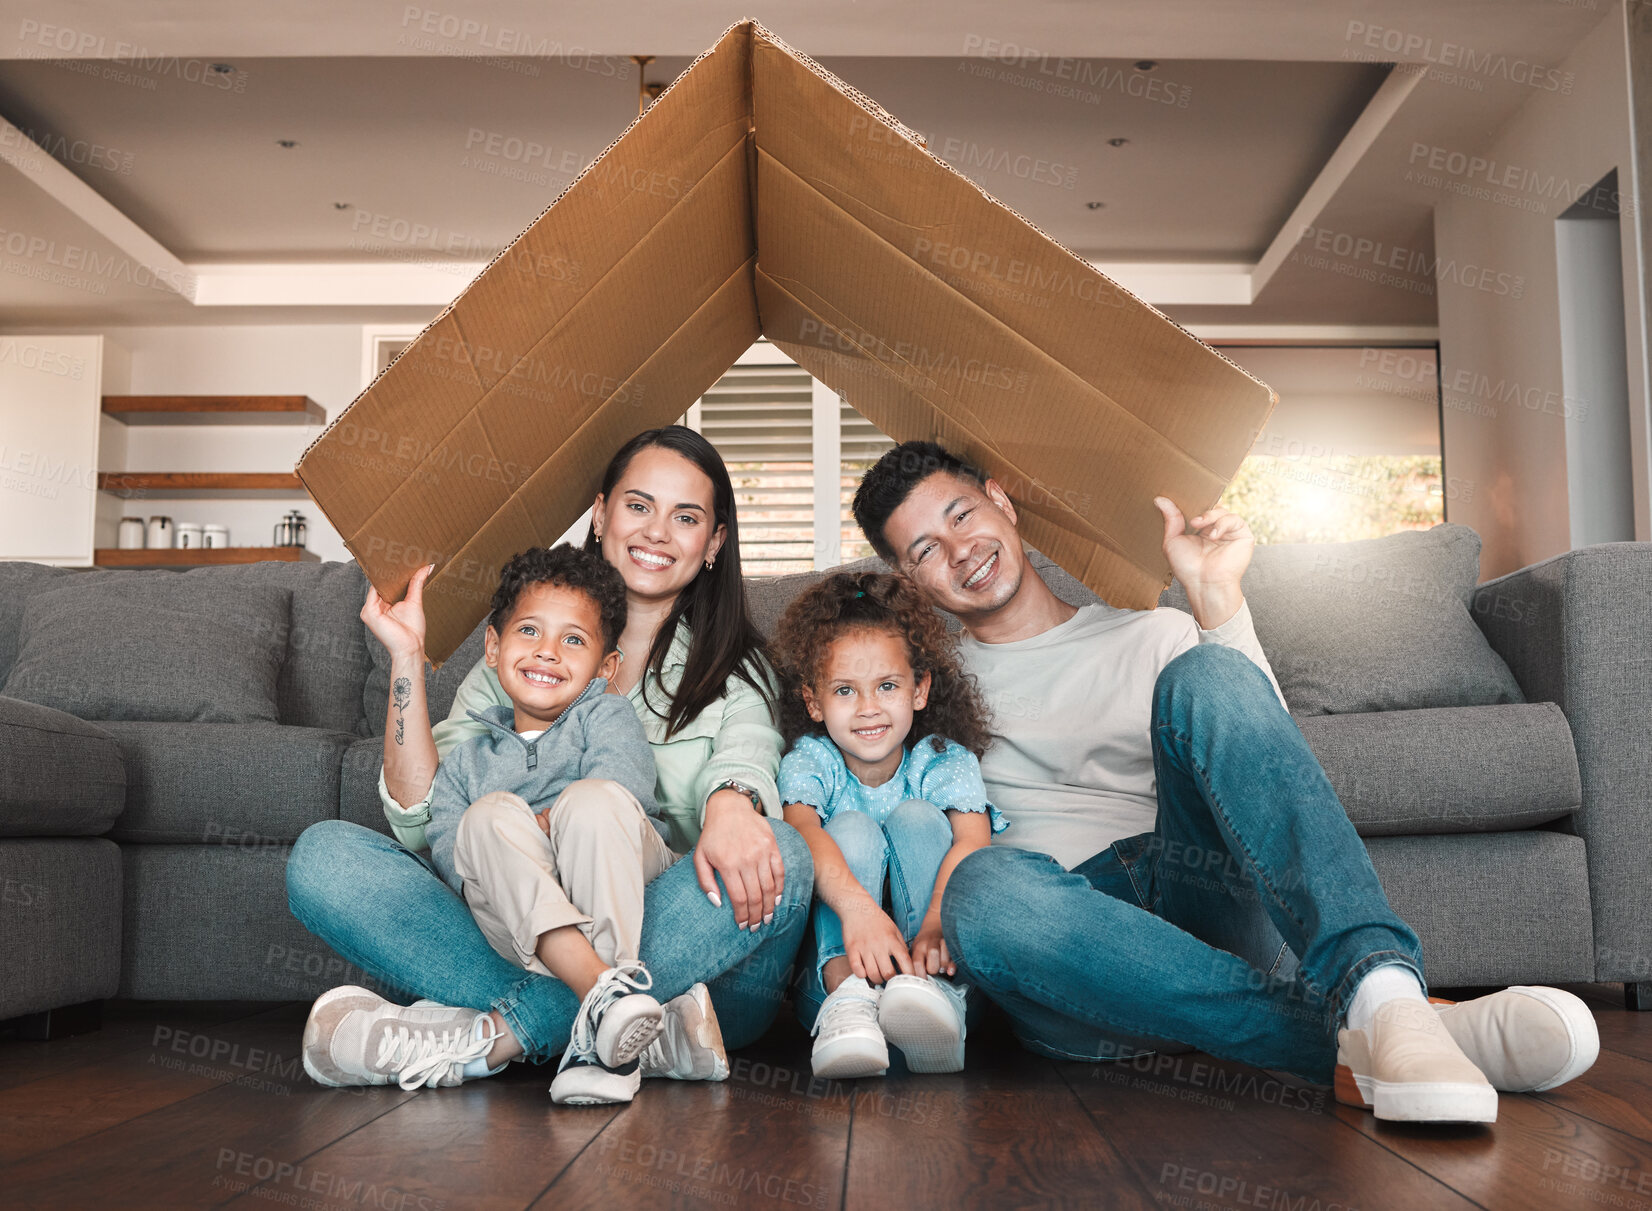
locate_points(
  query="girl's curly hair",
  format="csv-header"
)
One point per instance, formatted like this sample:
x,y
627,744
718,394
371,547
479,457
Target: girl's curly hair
x,y
876,601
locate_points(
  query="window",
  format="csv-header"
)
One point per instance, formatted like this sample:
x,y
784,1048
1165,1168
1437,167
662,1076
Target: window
x,y
775,425
1351,451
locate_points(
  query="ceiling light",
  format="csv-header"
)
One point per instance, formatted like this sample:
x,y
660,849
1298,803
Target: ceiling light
x,y
1146,64
1119,141
224,69
289,144
341,205
1095,205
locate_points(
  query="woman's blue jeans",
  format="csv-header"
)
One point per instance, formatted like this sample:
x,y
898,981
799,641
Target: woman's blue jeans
x,y
908,846
385,909
1240,925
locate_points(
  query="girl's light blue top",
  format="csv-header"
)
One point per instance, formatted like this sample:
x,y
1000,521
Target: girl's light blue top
x,y
814,772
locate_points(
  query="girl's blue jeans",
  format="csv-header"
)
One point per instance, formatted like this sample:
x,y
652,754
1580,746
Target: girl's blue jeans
x,y
1240,925
907,847
385,909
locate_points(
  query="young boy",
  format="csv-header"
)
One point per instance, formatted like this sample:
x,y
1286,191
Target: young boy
x,y
547,823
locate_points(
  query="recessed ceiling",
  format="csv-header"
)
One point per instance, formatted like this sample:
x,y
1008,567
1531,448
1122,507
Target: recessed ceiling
x,y
452,158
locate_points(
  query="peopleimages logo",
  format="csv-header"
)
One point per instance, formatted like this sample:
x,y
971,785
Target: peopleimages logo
x,y
1398,46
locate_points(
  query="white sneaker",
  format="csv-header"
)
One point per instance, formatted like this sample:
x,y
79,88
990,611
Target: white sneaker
x,y
1406,1067
849,1043
690,1047
1525,1039
924,1017
616,1020
356,1037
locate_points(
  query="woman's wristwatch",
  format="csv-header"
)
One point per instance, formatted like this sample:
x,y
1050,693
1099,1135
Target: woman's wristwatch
x,y
731,784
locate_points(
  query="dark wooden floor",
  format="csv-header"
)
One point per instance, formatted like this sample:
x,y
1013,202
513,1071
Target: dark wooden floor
x,y
186,1105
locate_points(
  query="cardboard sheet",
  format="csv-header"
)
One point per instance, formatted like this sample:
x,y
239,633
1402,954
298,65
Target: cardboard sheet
x,y
761,195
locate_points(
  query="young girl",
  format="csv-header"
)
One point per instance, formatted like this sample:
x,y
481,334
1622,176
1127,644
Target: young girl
x,y
867,666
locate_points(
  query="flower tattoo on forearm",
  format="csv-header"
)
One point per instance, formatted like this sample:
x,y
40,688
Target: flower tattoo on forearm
x,y
401,694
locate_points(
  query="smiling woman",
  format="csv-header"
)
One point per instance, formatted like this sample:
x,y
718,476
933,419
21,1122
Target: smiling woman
x,y
696,678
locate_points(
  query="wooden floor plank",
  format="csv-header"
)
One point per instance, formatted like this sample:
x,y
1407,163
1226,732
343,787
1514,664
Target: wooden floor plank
x,y
180,1058
127,1025
492,1145
192,1106
1537,1156
1625,1031
769,1135
1616,1092
203,1150
1201,1130
1006,1132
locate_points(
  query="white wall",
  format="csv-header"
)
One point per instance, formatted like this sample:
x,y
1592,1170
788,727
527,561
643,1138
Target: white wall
x,y
1500,356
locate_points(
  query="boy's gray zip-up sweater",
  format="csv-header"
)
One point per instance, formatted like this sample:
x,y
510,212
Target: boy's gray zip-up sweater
x,y
597,736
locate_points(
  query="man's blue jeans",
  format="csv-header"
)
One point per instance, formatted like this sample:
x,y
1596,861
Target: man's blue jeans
x,y
1240,925
909,846
386,910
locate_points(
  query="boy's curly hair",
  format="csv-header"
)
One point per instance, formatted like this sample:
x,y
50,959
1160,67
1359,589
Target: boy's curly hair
x,y
572,568
876,601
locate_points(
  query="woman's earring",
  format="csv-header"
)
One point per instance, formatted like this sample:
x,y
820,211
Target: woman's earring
x,y
709,562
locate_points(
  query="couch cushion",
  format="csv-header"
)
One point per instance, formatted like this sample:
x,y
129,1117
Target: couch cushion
x,y
240,785
59,776
154,646
19,581
326,658
1493,909
60,922
1451,769
1377,625
211,922
440,685
358,785
326,643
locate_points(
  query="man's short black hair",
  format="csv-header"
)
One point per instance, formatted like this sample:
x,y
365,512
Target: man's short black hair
x,y
572,568
885,487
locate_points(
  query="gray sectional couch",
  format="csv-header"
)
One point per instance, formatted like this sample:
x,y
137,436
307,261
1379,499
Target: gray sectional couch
x,y
165,736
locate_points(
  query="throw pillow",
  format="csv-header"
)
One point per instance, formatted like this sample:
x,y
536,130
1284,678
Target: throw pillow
x,y
154,646
1382,624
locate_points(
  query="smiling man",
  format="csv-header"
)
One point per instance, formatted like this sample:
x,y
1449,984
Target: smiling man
x,y
1180,872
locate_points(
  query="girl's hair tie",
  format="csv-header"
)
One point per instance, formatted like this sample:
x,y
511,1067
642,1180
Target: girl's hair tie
x,y
860,592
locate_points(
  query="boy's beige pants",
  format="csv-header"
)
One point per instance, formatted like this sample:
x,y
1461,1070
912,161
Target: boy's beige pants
x,y
590,871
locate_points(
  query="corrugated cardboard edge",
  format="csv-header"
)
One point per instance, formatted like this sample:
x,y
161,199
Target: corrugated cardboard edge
x,y
911,136
918,144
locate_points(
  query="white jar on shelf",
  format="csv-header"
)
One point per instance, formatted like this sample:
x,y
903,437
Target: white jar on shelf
x,y
214,537
187,537
160,533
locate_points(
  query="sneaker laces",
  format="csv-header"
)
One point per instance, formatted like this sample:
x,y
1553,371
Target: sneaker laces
x,y
620,980
849,1007
423,1055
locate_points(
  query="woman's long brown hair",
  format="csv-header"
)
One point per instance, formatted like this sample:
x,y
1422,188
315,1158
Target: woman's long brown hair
x,y
723,640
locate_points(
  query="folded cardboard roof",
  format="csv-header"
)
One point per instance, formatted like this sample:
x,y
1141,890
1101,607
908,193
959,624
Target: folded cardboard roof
x,y
762,196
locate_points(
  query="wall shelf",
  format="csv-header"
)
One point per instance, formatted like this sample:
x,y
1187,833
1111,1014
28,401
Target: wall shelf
x,y
113,557
214,409
200,483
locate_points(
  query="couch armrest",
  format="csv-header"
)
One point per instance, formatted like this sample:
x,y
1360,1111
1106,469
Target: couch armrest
x,y
59,776
1577,631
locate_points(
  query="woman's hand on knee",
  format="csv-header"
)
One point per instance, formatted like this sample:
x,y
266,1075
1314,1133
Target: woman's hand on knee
x,y
399,627
738,844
